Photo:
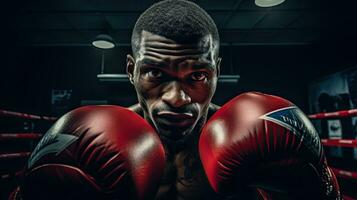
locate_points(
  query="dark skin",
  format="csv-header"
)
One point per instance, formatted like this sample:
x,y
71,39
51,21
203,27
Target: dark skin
x,y
175,84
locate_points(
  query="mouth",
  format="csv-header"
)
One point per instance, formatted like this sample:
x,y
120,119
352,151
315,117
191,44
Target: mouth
x,y
175,120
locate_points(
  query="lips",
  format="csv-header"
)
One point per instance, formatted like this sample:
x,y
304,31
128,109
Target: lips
x,y
173,119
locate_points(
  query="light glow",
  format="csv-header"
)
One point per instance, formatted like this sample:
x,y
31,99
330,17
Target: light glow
x,y
219,131
103,41
102,44
268,3
143,147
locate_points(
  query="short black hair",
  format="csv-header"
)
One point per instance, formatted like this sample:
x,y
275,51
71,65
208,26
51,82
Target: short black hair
x,y
180,20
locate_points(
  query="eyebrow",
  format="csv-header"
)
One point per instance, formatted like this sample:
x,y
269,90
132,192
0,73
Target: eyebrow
x,y
203,66
197,66
153,62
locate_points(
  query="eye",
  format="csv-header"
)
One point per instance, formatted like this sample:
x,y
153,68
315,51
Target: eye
x,y
154,73
199,76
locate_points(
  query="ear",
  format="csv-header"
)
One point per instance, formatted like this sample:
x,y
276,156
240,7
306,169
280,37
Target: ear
x,y
218,66
130,66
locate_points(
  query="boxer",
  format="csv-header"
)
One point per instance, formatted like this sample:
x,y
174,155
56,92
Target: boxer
x,y
245,151
174,69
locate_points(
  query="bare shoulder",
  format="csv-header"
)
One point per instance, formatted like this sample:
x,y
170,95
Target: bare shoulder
x,y
137,109
212,109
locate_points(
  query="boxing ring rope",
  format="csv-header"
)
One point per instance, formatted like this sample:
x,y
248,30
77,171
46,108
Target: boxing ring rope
x,y
349,143
17,136
9,156
35,136
20,136
332,115
6,113
345,174
12,156
340,142
337,114
4,156
10,137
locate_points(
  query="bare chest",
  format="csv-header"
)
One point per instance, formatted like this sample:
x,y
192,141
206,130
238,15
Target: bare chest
x,y
184,178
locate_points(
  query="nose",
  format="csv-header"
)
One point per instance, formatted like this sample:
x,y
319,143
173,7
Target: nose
x,y
175,96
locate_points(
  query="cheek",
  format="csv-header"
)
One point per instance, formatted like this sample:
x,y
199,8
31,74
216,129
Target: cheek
x,y
202,93
148,94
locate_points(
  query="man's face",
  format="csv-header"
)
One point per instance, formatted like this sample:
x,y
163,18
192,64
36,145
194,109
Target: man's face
x,y
174,82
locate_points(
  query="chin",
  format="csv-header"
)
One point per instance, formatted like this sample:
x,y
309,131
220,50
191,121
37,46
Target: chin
x,y
175,133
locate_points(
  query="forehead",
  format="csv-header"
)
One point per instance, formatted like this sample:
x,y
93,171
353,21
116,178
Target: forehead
x,y
157,47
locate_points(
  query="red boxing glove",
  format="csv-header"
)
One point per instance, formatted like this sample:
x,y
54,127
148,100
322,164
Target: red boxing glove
x,y
96,152
265,142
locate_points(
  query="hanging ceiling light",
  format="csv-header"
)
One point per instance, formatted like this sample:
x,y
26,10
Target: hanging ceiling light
x,y
103,41
268,3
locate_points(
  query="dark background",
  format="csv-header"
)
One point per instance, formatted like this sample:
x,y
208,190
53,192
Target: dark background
x,y
278,50
46,45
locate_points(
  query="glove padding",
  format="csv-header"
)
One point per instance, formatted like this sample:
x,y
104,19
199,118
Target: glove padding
x,y
265,142
96,152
